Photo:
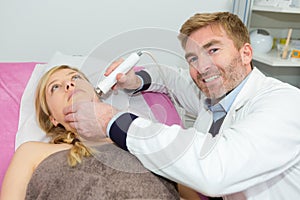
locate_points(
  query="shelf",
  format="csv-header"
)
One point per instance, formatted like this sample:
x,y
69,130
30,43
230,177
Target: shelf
x,y
291,10
273,60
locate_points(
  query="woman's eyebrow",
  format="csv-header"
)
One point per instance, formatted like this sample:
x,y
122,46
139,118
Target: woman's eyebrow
x,y
70,73
51,82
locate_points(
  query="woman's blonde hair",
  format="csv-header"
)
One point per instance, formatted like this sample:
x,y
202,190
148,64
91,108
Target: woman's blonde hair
x,y
58,134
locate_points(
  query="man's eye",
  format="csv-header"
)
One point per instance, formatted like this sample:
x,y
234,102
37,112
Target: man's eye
x,y
192,59
212,51
76,77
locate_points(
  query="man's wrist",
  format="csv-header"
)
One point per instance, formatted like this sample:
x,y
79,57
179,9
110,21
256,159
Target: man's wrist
x,y
142,83
118,126
145,80
113,119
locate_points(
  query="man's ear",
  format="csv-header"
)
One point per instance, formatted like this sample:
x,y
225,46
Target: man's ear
x,y
53,120
246,53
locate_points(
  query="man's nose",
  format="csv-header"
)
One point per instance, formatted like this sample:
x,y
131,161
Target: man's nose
x,y
203,62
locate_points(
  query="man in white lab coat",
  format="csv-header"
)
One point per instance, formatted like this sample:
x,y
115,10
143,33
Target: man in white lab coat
x,y
254,154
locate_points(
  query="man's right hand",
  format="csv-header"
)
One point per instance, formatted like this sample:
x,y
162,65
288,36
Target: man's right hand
x,y
89,118
128,81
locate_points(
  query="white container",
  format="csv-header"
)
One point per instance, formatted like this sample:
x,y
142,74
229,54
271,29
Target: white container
x,y
261,41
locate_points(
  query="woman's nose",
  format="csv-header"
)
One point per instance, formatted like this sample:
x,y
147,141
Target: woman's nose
x,y
69,85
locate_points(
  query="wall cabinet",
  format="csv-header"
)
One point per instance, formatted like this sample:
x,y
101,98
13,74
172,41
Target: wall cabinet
x,y
277,21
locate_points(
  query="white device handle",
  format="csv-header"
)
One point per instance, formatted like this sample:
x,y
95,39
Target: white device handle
x,y
106,84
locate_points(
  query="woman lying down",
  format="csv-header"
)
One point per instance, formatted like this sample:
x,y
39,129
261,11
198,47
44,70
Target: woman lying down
x,y
65,168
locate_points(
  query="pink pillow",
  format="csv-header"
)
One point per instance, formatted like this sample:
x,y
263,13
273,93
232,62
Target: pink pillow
x,y
162,108
13,80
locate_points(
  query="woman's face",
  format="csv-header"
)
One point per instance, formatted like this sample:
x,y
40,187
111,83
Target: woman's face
x,y
216,65
64,88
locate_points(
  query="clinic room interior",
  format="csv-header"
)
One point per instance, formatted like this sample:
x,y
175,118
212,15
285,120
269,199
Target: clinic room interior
x,y
91,35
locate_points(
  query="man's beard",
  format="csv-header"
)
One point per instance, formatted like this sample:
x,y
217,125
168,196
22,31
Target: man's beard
x,y
231,75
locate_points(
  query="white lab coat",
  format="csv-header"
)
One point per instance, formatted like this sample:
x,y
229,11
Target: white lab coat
x,y
256,155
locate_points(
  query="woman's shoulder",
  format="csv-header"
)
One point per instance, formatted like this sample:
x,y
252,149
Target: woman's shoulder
x,y
41,147
31,144
36,152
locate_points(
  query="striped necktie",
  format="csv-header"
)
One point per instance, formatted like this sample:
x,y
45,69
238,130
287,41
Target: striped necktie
x,y
215,127
219,115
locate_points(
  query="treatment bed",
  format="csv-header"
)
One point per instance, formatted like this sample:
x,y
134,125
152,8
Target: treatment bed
x,y
17,87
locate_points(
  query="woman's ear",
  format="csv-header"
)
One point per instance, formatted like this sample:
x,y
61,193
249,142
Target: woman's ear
x,y
53,120
246,54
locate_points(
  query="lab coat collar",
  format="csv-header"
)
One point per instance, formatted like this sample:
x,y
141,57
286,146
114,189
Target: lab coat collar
x,y
251,87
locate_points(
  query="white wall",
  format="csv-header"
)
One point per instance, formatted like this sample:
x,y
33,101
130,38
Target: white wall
x,y
33,30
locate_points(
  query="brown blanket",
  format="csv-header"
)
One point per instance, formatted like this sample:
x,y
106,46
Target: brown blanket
x,y
95,178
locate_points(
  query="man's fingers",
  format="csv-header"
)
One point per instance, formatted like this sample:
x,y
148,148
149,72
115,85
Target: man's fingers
x,y
119,76
72,124
113,66
69,109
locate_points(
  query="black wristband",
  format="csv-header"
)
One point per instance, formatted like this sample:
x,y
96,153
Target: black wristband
x,y
119,128
146,78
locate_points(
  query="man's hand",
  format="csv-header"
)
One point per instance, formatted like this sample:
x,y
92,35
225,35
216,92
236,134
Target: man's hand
x,y
89,118
124,81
